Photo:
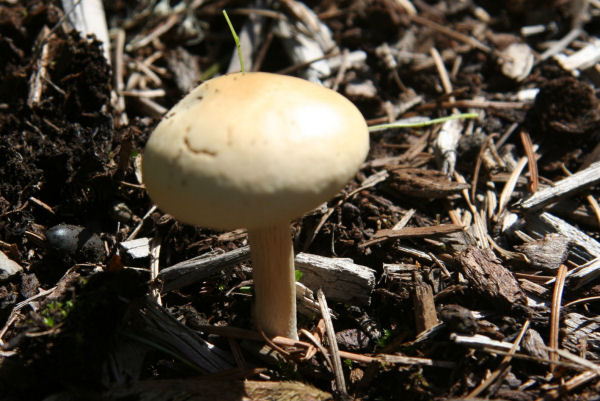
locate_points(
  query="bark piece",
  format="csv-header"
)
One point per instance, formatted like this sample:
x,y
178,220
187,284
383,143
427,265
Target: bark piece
x,y
582,335
547,253
185,67
200,268
446,143
88,18
305,39
138,248
490,278
8,267
531,288
423,183
353,340
584,247
147,320
534,345
425,314
585,273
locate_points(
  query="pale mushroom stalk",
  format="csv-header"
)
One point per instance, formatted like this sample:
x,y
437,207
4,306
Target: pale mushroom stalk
x,y
274,279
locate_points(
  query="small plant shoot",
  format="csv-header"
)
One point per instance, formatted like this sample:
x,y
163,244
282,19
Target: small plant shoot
x,y
411,124
236,39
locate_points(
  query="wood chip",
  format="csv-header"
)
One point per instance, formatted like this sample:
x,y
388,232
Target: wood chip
x,y
584,248
341,279
516,61
490,278
445,145
547,253
581,180
88,18
137,248
424,305
8,267
533,344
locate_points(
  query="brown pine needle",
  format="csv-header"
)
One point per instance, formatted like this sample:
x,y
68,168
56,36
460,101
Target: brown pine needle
x,y
559,285
533,170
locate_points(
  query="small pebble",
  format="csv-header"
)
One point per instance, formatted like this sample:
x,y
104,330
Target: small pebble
x,y
76,241
459,319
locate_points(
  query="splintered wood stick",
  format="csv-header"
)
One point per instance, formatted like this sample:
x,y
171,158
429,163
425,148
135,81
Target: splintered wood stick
x,y
563,188
333,346
154,265
411,232
40,75
342,280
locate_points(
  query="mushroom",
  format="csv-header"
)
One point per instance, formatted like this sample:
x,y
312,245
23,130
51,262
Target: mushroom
x,y
256,150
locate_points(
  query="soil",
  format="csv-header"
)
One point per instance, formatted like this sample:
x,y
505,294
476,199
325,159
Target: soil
x,y
70,195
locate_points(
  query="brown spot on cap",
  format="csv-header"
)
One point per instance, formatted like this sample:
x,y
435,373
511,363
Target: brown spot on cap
x,y
201,151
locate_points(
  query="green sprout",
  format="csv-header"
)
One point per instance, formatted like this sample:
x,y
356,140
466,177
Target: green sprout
x,y
385,338
236,39
409,124
56,310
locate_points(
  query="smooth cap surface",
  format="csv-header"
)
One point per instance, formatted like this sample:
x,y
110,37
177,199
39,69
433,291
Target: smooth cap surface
x,y
252,150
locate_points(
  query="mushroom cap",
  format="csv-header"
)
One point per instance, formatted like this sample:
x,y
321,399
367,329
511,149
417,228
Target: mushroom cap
x,y
253,150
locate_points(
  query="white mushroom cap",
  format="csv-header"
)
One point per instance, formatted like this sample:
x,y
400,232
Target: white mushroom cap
x,y
253,150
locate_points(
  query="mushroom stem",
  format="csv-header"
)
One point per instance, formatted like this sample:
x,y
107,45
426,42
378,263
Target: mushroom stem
x,y
274,280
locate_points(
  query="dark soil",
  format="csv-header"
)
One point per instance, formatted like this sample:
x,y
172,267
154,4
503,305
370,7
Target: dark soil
x,y
69,158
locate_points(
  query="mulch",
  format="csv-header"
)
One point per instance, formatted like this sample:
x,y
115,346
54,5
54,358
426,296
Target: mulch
x,y
454,265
